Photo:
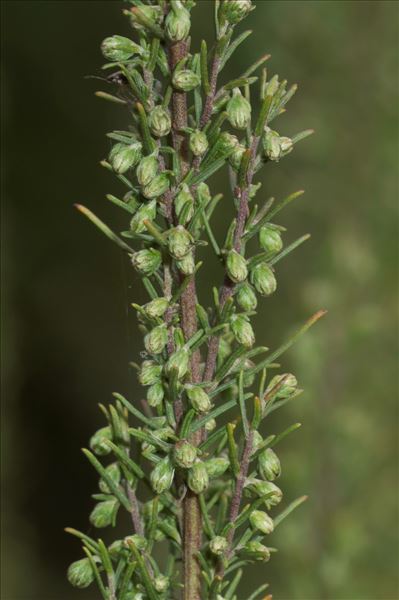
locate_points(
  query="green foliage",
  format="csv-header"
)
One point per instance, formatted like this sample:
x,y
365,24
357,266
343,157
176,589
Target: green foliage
x,y
199,361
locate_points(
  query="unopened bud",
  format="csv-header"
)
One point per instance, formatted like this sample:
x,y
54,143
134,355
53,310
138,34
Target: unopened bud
x,y
246,297
185,80
255,551
271,88
119,49
233,11
270,239
235,157
198,479
147,211
184,201
261,521
162,476
179,242
147,169
238,110
98,441
161,583
138,540
257,442
236,266
158,186
210,425
242,330
156,340
80,573
103,513
227,142
142,16
177,23
156,308
198,143
155,394
218,545
217,466
287,388
199,399
286,145
271,144
114,474
187,264
262,277
203,193
269,464
159,121
263,488
178,361
147,261
185,454
150,372
124,156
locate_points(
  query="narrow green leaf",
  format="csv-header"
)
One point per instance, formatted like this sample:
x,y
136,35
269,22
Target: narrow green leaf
x,y
126,460
115,489
233,47
241,402
258,591
232,449
288,249
134,411
146,577
284,433
204,68
277,520
104,228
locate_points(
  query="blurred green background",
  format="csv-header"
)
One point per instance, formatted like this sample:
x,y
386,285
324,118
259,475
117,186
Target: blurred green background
x,y
67,338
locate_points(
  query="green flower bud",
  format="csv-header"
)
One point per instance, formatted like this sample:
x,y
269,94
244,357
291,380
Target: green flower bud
x,y
261,521
227,142
103,513
198,479
183,199
187,264
147,211
98,441
238,110
185,454
255,551
233,11
185,80
156,308
271,144
271,88
180,242
235,157
177,23
115,549
162,476
198,143
236,266
269,464
261,488
179,360
159,121
286,145
199,399
242,330
80,573
119,49
147,169
210,425
218,545
288,387
270,239
155,394
150,372
257,442
217,466
262,277
246,297
161,583
114,473
124,156
158,186
224,348
147,261
203,193
156,340
138,540
141,16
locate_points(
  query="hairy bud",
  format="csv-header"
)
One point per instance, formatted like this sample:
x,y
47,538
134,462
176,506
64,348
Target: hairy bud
x,y
198,479
147,211
178,361
242,330
147,169
124,156
198,143
238,110
177,23
119,49
288,387
158,186
80,573
185,454
270,239
160,122
155,394
187,264
184,201
269,464
150,372
218,545
162,476
236,266
156,308
103,513
114,473
255,551
233,11
217,466
262,488
147,261
179,242
199,399
156,340
261,521
246,297
98,441
185,80
161,583
263,279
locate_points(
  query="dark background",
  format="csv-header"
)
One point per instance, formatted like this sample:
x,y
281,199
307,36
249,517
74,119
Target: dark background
x,y
66,335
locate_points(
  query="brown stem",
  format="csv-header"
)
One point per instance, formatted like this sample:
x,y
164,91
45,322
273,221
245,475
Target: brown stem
x,y
134,511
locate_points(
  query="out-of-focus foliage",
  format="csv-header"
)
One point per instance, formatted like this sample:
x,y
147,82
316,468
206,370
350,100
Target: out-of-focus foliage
x,y
64,352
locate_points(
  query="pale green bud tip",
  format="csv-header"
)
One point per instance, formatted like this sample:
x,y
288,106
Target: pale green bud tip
x,y
198,479
287,388
276,146
162,476
161,583
269,465
198,143
143,16
156,340
184,201
156,308
119,48
185,454
103,513
210,425
177,23
80,573
199,399
262,277
227,142
138,540
155,394
124,156
98,441
238,110
236,266
235,157
185,80
158,186
149,373
147,169
146,211
160,121
246,298
261,521
256,551
147,261
262,488
113,473
179,242
217,466
178,361
270,239
242,330
218,545
257,442
187,264
234,11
